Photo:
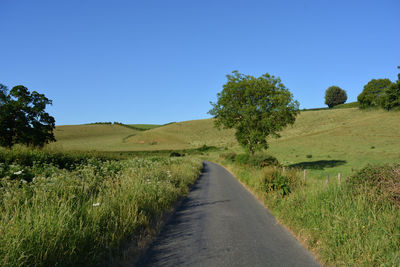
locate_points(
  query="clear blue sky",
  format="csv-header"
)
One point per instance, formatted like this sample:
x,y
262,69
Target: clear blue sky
x,y
162,61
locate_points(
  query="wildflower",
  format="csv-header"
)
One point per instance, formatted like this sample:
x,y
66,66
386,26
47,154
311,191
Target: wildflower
x,y
96,204
18,172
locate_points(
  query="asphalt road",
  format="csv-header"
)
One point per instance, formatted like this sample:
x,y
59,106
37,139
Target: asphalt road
x,y
221,224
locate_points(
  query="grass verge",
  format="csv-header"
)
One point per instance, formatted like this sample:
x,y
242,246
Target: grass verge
x,y
352,223
83,216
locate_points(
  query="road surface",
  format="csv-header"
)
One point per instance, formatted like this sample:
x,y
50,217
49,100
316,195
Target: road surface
x,y
221,224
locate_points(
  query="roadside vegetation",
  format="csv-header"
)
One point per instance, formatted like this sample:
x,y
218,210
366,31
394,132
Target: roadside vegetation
x,y
351,222
83,208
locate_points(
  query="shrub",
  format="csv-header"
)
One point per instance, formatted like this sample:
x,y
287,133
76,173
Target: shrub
x,y
230,156
381,182
260,160
242,158
335,95
277,182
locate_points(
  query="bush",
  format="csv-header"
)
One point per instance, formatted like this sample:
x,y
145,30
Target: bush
x,y
242,158
335,95
381,182
257,160
373,92
230,156
277,182
261,160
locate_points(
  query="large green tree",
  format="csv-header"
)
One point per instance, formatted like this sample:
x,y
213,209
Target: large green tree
x,y
373,93
256,107
334,96
23,119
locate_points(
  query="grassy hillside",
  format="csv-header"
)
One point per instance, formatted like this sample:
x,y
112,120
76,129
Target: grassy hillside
x,y
101,137
332,141
323,141
145,126
181,135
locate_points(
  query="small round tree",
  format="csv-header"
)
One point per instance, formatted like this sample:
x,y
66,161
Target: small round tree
x,y
335,95
373,91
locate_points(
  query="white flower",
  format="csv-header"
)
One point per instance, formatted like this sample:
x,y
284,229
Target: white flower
x,y
96,204
18,172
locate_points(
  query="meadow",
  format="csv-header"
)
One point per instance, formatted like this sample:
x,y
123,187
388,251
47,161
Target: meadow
x,y
84,209
325,142
344,224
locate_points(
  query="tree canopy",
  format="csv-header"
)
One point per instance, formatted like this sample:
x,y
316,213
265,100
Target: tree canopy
x,y
391,97
334,96
23,119
373,92
256,107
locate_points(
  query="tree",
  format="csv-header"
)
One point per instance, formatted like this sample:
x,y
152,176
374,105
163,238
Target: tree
x,y
255,107
373,91
391,96
23,118
334,96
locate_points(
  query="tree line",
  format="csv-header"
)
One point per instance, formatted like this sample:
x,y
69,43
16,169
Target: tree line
x,y
376,93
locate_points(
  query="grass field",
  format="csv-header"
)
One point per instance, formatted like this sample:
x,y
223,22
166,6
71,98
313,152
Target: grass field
x,y
323,141
342,140
100,137
326,216
82,209
145,126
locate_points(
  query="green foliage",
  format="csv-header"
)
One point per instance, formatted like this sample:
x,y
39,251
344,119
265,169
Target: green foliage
x,y
23,118
373,92
391,98
229,156
62,160
381,181
256,107
277,182
256,160
334,96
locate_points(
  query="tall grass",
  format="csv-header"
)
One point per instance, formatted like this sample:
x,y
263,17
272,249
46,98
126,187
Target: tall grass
x,y
86,214
352,223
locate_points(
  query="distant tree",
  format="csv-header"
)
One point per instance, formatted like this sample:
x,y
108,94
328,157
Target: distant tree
x,y
256,107
334,96
23,119
373,92
391,96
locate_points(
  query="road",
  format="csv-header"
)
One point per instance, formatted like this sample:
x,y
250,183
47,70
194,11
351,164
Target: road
x,y
221,224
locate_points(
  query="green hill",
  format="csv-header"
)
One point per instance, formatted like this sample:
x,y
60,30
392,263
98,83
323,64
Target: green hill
x,y
100,137
323,141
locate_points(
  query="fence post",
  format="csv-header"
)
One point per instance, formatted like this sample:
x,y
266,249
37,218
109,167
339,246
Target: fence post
x,y
339,176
